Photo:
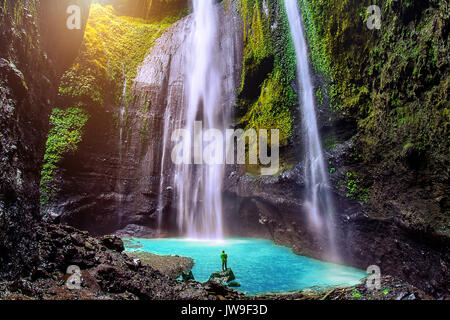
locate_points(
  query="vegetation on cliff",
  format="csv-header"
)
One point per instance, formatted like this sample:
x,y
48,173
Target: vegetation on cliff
x,y
66,128
394,82
101,77
266,98
114,46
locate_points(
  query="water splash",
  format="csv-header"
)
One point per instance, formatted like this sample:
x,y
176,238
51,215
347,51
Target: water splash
x,y
199,186
318,199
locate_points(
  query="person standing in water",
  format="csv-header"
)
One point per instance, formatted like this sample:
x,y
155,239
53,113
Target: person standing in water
x,y
224,258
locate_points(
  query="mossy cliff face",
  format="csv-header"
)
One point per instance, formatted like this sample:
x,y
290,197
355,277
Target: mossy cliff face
x,y
266,98
113,179
394,82
99,79
28,88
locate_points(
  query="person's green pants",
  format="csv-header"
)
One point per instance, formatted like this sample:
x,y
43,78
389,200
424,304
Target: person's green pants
x,y
224,265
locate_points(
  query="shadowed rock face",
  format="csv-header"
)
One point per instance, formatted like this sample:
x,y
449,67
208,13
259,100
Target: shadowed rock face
x,y
28,88
114,179
61,43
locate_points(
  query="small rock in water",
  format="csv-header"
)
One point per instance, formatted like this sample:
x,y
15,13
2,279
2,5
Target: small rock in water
x,y
222,276
234,284
401,295
412,296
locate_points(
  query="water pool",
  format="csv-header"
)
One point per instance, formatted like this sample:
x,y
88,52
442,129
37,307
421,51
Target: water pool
x,y
260,266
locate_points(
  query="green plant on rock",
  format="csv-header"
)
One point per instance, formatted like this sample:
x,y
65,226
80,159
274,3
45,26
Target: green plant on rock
x,y
113,48
270,111
354,189
265,97
66,131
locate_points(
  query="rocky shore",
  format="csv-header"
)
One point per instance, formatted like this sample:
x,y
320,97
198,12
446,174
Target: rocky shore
x,y
391,289
107,273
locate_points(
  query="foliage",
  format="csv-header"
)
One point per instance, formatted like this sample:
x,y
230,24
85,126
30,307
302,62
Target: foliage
x,y
66,129
354,188
269,111
113,48
394,81
269,66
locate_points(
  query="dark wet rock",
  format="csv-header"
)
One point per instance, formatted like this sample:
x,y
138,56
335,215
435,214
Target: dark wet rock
x,y
136,231
391,289
222,277
27,95
14,77
172,266
188,276
113,243
234,284
401,295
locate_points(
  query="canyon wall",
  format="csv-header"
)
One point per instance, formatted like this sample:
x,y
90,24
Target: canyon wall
x,y
28,88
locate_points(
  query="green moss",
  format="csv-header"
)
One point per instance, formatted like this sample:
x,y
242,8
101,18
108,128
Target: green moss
x,y
113,48
330,142
265,97
271,110
393,81
354,188
66,131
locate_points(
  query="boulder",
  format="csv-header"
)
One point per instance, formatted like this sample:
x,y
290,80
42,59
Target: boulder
x,y
113,243
221,277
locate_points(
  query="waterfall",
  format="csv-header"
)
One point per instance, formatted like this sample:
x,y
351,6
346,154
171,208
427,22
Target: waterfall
x,y
199,186
162,181
121,124
318,199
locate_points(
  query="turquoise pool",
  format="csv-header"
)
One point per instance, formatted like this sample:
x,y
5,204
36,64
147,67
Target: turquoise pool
x,y
260,266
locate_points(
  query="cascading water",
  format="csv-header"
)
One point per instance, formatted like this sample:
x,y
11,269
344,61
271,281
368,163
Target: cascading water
x,y
167,125
199,186
119,186
318,199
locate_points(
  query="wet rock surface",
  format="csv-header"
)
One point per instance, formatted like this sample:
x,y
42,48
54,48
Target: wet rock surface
x,y
222,277
105,273
391,289
172,266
